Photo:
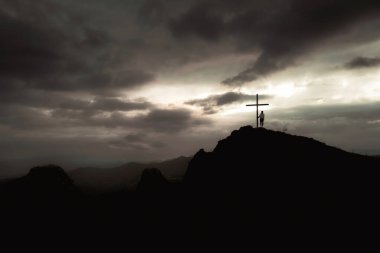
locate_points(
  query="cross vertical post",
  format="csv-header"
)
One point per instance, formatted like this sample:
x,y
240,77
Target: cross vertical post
x,y
257,109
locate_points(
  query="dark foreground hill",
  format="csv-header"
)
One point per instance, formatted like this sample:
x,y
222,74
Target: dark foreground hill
x,y
274,181
257,187
261,162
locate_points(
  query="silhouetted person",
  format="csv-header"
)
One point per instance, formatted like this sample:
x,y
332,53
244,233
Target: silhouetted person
x,y
261,117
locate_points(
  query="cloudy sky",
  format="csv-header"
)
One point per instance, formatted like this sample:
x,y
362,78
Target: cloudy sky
x,y
96,82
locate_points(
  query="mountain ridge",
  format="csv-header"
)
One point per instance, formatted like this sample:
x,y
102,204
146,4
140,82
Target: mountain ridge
x,y
272,147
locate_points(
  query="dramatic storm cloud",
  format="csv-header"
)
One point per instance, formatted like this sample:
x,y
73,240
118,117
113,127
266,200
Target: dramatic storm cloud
x,y
105,82
281,31
363,62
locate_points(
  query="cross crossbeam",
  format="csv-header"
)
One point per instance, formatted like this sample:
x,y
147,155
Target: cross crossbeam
x,y
257,109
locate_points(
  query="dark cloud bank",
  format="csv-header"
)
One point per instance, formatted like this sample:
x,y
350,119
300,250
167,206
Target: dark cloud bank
x,y
363,62
65,47
282,31
50,46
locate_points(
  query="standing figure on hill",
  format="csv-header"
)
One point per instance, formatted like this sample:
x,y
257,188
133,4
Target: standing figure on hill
x,y
261,117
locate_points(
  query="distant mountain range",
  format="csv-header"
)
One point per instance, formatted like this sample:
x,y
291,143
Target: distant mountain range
x,y
97,180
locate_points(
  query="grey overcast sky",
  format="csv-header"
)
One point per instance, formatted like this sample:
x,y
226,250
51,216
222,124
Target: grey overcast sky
x,y
100,83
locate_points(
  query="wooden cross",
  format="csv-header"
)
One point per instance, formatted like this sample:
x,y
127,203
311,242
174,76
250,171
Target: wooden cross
x,y
257,109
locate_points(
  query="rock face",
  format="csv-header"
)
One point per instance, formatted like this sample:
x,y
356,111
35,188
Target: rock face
x,y
45,183
258,176
44,199
152,181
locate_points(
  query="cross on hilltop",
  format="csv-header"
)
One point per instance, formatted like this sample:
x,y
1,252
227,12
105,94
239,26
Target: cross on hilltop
x,y
257,109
